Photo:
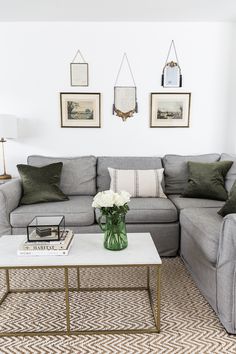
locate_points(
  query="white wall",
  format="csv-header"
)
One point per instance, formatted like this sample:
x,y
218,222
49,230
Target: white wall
x,y
34,68
231,121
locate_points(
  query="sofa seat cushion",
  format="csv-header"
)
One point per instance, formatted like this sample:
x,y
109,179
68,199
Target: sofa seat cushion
x,y
77,210
203,225
149,210
184,203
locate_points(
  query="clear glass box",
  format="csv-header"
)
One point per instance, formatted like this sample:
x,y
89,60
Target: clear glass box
x,y
46,228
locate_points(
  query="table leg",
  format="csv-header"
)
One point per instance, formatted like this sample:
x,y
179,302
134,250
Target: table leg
x,y
7,280
148,278
158,305
7,286
78,278
67,300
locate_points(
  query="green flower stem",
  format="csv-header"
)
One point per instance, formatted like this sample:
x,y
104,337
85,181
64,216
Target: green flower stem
x,y
115,236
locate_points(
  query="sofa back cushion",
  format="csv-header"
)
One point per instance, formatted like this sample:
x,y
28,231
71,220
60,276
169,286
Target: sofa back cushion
x,y
231,175
78,175
122,163
176,170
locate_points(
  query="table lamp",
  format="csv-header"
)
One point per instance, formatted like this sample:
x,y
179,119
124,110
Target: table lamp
x,y
8,130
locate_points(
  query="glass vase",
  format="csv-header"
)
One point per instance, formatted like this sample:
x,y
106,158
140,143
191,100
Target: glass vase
x,y
115,236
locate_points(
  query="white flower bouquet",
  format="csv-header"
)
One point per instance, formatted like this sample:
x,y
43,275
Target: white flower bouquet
x,y
110,199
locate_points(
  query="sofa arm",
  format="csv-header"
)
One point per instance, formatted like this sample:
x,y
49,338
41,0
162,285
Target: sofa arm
x,y
226,274
10,194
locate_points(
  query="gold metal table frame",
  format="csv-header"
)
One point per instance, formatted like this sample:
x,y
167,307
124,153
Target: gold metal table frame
x,y
155,305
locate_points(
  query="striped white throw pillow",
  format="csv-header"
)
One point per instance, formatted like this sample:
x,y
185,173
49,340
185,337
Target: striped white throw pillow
x,y
139,183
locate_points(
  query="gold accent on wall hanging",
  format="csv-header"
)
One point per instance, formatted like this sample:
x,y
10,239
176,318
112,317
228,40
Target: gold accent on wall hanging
x,y
125,97
171,74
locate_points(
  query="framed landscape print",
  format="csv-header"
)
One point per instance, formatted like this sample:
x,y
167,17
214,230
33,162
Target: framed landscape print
x,y
80,110
170,110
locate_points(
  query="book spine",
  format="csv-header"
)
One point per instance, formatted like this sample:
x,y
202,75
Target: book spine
x,y
43,253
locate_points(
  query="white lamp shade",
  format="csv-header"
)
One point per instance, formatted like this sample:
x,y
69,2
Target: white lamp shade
x,y
8,126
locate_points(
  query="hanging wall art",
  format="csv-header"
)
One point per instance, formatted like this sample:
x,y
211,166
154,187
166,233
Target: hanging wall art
x,y
125,97
80,110
170,110
78,70
171,73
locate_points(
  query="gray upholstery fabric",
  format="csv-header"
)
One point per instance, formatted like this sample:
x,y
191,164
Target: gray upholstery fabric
x,y
123,163
10,194
78,173
165,236
77,211
149,210
231,175
183,203
203,225
202,271
176,171
226,274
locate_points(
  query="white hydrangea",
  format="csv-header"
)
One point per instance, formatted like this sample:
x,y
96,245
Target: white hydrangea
x,y
108,199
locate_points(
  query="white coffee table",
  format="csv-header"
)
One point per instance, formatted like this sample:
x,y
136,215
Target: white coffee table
x,y
86,251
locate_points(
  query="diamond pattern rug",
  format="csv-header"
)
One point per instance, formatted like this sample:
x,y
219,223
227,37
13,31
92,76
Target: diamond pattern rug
x,y
188,324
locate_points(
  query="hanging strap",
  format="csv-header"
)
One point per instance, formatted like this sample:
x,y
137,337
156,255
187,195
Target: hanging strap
x,y
122,62
172,45
81,56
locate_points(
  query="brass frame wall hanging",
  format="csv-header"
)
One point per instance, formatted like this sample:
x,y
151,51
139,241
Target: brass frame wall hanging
x,y
125,97
79,71
171,73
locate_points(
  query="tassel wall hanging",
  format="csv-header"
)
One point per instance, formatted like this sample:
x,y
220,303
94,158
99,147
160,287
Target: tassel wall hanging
x,y
125,97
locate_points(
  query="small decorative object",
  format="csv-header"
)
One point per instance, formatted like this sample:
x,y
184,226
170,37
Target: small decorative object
x,y
170,110
8,130
80,110
125,97
46,228
171,74
79,71
113,207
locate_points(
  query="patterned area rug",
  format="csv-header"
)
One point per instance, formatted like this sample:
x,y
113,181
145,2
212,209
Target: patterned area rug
x,y
188,324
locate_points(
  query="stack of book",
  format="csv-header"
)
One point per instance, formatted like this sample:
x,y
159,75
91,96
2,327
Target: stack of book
x,y
47,248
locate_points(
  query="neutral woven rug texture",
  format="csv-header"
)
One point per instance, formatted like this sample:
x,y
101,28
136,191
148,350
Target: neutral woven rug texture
x,y
188,324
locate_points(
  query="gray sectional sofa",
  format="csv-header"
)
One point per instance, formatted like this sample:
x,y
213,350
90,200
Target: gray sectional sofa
x,y
189,226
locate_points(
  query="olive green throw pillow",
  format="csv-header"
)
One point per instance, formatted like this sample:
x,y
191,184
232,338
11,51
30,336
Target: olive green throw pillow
x,y
230,205
41,184
207,180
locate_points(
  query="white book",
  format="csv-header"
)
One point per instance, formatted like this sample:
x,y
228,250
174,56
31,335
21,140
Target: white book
x,y
48,246
45,250
59,252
